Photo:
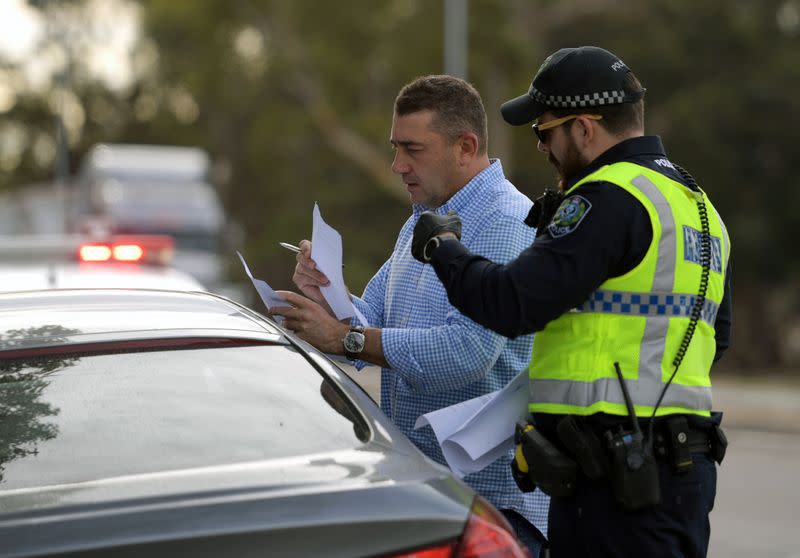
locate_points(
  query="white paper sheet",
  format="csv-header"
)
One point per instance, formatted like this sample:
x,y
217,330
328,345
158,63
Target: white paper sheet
x,y
326,251
476,432
267,294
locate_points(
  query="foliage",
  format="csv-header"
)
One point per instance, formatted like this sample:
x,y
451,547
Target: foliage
x,y
293,100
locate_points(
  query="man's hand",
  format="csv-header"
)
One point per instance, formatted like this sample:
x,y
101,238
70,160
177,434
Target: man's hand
x,y
312,323
308,278
430,225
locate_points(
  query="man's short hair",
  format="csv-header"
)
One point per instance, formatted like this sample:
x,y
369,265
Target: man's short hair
x,y
617,119
456,105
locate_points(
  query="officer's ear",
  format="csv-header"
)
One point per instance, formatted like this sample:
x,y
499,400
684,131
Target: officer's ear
x,y
586,129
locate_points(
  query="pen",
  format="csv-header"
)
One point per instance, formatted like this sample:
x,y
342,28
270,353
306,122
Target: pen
x,y
291,247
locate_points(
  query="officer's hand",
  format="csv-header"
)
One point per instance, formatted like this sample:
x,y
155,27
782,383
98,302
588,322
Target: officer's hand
x,y
430,225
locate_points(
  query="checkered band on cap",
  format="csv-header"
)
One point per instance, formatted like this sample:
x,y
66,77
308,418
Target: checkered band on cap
x,y
574,101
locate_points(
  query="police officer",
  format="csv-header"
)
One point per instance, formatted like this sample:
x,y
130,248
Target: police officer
x,y
628,287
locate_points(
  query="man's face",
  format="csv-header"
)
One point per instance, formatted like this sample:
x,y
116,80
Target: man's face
x,y
562,151
424,159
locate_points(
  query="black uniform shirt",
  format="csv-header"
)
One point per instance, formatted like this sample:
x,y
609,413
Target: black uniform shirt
x,y
555,275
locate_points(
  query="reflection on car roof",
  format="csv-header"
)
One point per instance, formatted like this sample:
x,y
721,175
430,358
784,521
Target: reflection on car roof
x,y
92,315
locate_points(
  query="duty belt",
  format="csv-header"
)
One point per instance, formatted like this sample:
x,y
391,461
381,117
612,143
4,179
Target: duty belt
x,y
674,442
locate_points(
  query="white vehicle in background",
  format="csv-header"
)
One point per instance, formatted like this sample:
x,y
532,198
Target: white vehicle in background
x,y
32,262
154,189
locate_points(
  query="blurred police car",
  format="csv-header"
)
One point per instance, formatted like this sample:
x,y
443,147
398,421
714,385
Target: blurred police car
x,y
81,261
155,189
154,423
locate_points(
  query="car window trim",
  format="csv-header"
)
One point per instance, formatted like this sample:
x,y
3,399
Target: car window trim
x,y
135,345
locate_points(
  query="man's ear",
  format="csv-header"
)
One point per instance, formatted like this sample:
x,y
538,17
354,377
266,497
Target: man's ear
x,y
467,147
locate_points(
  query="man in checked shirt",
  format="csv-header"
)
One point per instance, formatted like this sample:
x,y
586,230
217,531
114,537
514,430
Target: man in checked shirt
x,y
431,355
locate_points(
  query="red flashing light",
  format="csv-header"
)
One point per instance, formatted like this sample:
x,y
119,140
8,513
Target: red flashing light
x,y
94,253
150,249
127,252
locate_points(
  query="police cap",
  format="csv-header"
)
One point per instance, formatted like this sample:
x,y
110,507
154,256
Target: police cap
x,y
578,78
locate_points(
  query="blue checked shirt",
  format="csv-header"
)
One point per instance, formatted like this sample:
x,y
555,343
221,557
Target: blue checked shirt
x,y
439,357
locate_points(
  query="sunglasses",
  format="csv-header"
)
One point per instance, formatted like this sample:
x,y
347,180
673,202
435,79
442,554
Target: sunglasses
x,y
541,129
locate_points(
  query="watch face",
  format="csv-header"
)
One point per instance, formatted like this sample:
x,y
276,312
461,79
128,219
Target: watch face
x,y
354,342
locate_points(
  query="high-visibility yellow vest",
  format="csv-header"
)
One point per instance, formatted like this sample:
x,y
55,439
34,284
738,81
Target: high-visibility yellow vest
x,y
638,319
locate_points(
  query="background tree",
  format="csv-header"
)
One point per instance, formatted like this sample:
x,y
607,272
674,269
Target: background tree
x,y
293,100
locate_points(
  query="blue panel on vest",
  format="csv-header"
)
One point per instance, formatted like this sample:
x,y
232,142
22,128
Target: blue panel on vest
x,y
607,307
616,297
661,309
692,241
636,299
626,308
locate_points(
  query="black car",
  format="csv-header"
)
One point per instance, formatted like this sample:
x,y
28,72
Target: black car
x,y
145,423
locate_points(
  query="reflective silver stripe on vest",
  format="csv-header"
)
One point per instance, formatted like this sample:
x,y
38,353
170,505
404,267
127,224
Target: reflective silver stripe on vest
x,y
670,305
646,389
725,241
664,279
584,394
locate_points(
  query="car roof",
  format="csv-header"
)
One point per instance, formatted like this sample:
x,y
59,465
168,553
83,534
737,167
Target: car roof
x,y
30,262
61,275
62,317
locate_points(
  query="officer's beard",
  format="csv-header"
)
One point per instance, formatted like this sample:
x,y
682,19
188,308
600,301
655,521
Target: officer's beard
x,y
570,165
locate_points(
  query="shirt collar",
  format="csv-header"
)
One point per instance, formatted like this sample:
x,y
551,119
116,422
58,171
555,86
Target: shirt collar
x,y
625,150
471,191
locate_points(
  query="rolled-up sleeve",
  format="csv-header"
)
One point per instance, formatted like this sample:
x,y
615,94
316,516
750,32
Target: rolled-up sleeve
x,y
441,358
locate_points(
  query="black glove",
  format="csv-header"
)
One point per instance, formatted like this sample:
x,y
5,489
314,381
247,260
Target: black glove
x,y
427,228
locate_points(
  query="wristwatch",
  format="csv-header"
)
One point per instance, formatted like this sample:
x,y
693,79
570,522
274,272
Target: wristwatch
x,y
354,342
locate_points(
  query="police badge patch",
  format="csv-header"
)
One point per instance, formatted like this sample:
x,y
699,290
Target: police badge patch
x,y
568,216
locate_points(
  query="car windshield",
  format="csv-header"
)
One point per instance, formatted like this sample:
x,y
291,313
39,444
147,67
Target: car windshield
x,y
82,417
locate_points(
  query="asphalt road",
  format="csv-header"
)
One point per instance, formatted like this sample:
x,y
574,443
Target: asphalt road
x,y
756,492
